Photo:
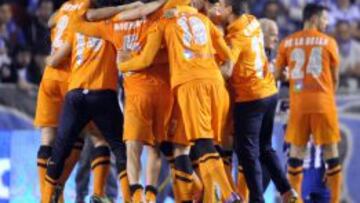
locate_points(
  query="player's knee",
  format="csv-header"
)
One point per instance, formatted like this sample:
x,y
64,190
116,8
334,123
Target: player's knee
x,y
153,152
134,150
98,141
330,151
48,135
298,152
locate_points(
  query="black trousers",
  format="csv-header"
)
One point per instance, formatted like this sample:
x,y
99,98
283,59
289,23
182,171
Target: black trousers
x,y
81,107
253,145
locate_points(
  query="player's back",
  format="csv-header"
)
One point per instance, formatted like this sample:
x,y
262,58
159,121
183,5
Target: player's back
x,y
93,63
63,20
251,79
189,41
310,55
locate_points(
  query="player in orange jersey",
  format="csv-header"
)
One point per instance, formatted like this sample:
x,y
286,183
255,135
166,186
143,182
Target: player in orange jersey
x,y
148,98
312,59
199,91
54,86
255,97
98,160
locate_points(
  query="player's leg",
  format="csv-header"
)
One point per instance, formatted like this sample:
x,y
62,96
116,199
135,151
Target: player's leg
x,y
162,103
333,172
152,173
297,134
183,173
167,149
326,132
48,107
101,161
268,155
73,119
107,116
196,100
83,172
44,153
247,124
223,130
295,168
138,130
133,151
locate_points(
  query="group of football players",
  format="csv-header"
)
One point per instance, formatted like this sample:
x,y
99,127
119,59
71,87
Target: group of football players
x,y
198,86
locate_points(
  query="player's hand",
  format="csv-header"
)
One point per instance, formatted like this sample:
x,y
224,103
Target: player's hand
x,y
171,13
227,69
48,60
123,56
285,75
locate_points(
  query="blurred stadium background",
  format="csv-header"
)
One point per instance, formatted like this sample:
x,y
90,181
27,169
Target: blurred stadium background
x,y
24,44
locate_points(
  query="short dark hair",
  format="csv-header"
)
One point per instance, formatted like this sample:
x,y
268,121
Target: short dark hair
x,y
239,7
312,9
104,3
213,1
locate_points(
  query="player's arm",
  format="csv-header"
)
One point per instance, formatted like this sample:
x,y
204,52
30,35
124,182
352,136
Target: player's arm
x,y
99,29
56,59
223,51
139,12
146,56
281,64
108,12
52,20
334,63
335,73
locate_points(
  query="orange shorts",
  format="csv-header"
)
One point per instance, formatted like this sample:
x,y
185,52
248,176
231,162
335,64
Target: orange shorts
x,y
49,103
204,107
176,133
322,127
147,115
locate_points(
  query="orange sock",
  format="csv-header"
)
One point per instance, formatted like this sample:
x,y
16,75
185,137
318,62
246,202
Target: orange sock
x,y
150,194
175,187
242,186
43,156
295,175
101,168
125,186
49,190
71,161
334,179
227,160
212,172
183,178
137,193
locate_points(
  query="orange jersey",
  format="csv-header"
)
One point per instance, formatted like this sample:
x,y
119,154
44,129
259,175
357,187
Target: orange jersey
x,y
131,36
63,18
192,40
93,63
310,55
251,79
